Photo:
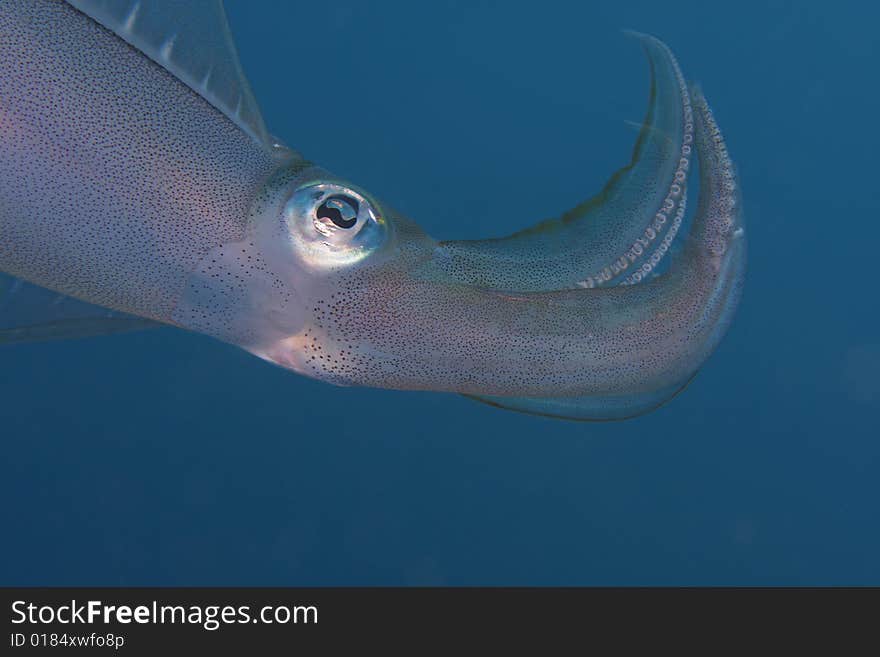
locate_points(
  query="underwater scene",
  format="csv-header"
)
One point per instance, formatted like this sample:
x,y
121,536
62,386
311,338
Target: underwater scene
x,y
448,293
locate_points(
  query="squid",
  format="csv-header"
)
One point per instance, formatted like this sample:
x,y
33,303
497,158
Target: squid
x,y
139,186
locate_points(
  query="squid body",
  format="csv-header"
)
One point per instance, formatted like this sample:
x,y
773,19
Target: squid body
x,y
140,186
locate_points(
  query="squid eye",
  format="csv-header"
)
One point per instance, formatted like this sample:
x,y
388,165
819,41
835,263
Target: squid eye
x,y
333,225
340,209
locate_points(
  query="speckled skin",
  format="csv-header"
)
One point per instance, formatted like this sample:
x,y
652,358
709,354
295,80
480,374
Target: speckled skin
x,y
115,178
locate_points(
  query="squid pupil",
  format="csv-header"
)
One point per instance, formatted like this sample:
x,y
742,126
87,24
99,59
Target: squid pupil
x,y
341,210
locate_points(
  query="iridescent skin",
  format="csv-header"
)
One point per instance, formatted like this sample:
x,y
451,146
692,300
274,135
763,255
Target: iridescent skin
x,y
169,211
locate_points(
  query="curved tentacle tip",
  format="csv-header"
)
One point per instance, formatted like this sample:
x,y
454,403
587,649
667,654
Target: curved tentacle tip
x,y
641,36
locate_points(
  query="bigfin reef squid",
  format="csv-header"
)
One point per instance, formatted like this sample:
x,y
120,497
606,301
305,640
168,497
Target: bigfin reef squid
x,y
139,186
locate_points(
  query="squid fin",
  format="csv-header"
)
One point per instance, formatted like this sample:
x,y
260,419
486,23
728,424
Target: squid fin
x,y
29,313
192,40
601,408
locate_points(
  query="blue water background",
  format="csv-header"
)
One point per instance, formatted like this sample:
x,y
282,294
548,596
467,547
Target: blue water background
x,y
169,458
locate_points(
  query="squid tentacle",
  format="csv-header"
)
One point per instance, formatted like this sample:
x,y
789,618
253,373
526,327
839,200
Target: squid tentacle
x,y
617,235
715,252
